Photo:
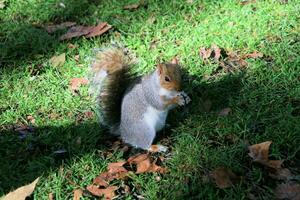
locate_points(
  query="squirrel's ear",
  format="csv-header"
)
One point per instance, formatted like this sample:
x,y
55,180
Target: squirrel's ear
x,y
175,61
160,68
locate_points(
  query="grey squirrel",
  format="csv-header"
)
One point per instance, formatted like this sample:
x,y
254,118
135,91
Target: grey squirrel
x,y
135,107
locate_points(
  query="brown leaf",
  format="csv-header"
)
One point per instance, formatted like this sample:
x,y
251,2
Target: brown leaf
x,y
254,55
88,114
224,112
281,174
289,191
58,61
216,51
76,31
98,30
275,164
144,164
31,119
259,152
77,194
108,192
205,53
132,6
137,158
75,83
101,181
50,196
224,177
76,58
55,27
243,3
22,192
72,46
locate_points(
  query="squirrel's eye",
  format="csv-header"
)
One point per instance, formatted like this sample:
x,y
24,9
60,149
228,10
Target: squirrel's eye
x,y
167,79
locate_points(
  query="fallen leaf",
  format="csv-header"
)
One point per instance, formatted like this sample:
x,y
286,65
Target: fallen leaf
x,y
289,191
117,170
22,192
132,6
31,119
88,114
259,152
143,164
76,58
224,177
243,3
24,131
72,46
77,194
76,31
281,174
98,30
224,112
2,4
275,164
108,192
55,27
205,53
100,181
50,196
58,61
75,83
217,52
254,55
189,1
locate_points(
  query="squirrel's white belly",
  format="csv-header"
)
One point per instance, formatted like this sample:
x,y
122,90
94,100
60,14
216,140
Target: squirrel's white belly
x,y
155,118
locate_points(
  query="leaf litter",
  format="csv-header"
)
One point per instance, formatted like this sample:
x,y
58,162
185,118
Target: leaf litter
x,y
136,164
22,192
227,60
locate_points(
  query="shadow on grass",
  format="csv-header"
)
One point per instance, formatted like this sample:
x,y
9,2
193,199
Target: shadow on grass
x,y
25,159
21,40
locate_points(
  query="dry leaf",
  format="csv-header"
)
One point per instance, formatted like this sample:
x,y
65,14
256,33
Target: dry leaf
x,y
254,55
31,119
224,112
288,191
58,61
77,194
144,164
224,177
216,51
243,3
205,53
259,152
108,192
281,174
132,6
72,46
22,192
99,30
88,114
76,31
55,27
50,196
75,83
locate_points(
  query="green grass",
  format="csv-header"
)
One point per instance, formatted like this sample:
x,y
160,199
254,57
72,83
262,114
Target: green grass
x,y
264,98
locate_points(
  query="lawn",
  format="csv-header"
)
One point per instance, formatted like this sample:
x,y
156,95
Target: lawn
x,y
264,96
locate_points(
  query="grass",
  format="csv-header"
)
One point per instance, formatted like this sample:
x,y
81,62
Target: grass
x,y
264,98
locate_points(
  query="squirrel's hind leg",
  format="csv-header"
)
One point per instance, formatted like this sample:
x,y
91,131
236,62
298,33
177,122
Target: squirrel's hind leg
x,y
139,135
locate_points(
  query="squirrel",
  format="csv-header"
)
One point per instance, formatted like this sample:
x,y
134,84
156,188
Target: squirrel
x,y
135,107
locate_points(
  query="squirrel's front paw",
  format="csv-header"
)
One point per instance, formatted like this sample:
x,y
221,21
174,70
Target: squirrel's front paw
x,y
183,99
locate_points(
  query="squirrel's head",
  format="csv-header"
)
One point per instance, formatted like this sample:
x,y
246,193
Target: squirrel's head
x,y
169,76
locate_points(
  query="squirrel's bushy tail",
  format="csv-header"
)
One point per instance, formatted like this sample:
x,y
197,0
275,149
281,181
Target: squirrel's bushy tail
x,y
110,76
